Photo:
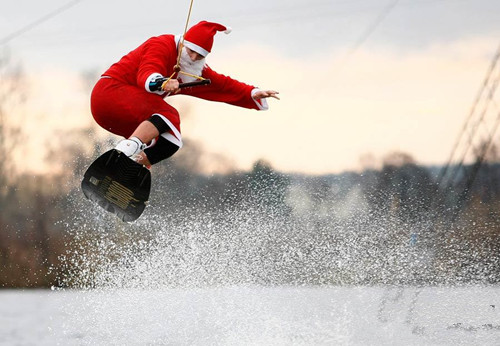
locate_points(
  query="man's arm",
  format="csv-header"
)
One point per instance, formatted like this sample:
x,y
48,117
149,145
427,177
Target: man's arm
x,y
159,55
228,90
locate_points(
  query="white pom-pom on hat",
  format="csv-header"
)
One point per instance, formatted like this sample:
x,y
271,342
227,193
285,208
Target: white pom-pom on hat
x,y
228,30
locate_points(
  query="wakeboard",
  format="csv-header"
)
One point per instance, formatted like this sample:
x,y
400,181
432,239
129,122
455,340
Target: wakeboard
x,y
118,184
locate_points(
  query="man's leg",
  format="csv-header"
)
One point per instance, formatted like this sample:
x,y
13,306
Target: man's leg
x,y
157,152
137,115
133,146
146,132
161,150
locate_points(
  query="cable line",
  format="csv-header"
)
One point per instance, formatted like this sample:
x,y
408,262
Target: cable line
x,y
177,67
373,26
470,127
37,22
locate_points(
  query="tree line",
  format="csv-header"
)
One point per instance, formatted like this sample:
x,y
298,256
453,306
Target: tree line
x,y
386,226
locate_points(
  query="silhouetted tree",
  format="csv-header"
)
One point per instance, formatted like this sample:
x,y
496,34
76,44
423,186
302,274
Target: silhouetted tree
x,y
11,98
402,188
267,187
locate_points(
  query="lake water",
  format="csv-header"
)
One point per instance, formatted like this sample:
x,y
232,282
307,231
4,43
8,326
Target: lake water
x,y
252,315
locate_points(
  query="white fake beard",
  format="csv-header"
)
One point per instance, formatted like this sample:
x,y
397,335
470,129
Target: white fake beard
x,y
189,66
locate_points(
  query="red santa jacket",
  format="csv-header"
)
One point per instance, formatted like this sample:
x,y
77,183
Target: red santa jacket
x,y
158,55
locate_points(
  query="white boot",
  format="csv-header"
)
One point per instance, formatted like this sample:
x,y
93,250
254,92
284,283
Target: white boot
x,y
131,146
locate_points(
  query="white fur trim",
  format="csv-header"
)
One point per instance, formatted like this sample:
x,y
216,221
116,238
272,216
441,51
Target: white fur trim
x,y
149,80
171,138
196,48
153,142
262,103
176,138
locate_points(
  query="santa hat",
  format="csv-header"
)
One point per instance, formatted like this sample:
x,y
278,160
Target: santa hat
x,y
200,37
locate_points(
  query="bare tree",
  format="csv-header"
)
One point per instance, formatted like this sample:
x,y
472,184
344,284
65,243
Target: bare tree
x,y
11,98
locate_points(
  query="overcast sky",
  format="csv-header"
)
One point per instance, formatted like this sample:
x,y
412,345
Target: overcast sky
x,y
89,32
357,78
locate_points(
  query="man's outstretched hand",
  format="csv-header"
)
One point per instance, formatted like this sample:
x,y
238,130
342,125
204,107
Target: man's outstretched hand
x,y
262,94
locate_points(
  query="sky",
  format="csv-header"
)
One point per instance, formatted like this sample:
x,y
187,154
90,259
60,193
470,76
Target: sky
x,y
357,79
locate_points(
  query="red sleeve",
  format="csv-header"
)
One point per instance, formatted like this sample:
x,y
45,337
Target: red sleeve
x,y
158,56
224,89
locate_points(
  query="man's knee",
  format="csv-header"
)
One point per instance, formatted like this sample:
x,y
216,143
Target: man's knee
x,y
162,150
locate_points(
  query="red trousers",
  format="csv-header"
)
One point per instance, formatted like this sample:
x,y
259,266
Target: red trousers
x,y
119,107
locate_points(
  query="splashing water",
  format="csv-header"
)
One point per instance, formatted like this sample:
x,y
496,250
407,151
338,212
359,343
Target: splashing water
x,y
256,274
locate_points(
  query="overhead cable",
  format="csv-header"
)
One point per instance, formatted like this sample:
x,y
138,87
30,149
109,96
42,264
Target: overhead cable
x,y
37,22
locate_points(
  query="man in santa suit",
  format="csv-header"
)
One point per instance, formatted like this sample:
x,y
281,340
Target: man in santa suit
x,y
128,100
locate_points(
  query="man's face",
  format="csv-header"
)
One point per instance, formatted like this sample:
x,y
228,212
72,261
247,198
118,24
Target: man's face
x,y
193,55
191,63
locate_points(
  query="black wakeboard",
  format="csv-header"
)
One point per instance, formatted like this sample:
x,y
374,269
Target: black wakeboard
x,y
118,184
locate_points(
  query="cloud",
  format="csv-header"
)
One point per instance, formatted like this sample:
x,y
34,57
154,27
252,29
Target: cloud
x,y
334,110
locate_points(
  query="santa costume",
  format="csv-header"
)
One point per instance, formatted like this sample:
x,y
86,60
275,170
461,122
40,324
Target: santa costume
x,y
123,97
